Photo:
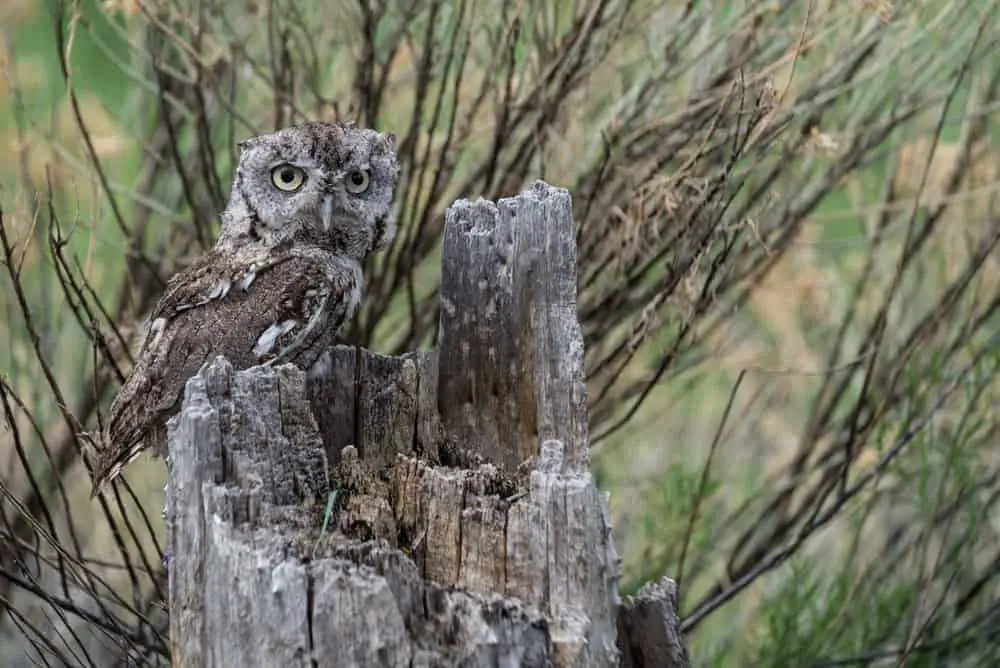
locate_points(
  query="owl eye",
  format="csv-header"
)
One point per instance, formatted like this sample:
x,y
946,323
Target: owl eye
x,y
357,181
288,178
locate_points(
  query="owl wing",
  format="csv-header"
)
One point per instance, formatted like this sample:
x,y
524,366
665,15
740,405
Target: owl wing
x,y
210,278
284,308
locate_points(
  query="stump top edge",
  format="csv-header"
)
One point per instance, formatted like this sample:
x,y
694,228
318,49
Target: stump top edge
x,y
539,191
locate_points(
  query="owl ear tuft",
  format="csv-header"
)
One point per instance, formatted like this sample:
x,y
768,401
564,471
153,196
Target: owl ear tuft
x,y
390,140
245,144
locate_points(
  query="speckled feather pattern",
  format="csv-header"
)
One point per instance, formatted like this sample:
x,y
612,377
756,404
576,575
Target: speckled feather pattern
x,y
278,285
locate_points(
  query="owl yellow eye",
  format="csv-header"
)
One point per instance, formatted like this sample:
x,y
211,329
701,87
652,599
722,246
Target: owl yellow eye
x,y
288,178
357,181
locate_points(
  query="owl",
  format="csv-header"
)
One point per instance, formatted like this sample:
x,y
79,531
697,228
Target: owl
x,y
307,206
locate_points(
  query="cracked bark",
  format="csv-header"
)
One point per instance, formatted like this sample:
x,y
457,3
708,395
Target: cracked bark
x,y
467,528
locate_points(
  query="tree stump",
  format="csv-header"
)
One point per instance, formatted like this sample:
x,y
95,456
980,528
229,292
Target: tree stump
x,y
465,528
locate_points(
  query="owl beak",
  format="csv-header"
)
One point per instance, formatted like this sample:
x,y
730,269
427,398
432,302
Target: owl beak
x,y
327,212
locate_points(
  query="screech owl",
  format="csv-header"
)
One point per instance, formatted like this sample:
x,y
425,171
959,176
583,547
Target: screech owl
x,y
308,204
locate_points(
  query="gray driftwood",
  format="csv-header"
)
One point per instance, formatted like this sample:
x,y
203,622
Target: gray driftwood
x,y
467,529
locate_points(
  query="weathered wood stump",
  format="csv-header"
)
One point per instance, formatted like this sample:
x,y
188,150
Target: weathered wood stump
x,y
466,529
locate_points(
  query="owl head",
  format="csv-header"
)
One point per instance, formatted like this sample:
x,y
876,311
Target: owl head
x,y
319,182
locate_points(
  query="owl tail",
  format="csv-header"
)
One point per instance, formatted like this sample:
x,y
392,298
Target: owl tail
x,y
110,461
109,465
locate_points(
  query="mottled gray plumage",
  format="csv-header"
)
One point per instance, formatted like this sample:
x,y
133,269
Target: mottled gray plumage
x,y
308,204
